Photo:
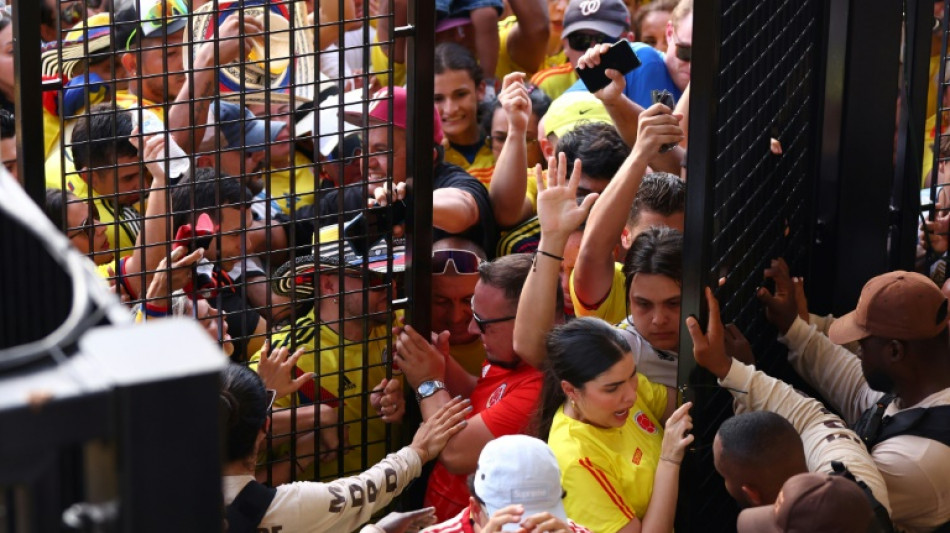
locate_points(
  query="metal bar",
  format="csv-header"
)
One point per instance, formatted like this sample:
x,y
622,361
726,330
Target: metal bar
x,y
28,107
694,381
419,133
865,170
910,134
821,282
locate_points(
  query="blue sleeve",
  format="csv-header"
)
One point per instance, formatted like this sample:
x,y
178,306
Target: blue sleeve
x,y
650,75
641,81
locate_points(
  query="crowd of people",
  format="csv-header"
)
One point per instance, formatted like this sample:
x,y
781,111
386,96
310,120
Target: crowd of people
x,y
244,163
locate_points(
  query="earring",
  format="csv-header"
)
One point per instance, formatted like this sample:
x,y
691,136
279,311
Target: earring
x,y
336,301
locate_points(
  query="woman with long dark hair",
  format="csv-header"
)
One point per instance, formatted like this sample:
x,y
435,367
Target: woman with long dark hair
x,y
603,419
309,506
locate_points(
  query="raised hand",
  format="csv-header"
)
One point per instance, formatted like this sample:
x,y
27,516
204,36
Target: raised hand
x,y
614,90
656,126
780,308
276,368
515,101
676,434
709,349
558,211
418,359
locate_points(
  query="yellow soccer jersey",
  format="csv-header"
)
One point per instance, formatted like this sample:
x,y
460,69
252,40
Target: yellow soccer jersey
x,y
345,376
470,356
303,179
379,62
614,307
121,235
608,473
555,81
50,132
505,64
481,168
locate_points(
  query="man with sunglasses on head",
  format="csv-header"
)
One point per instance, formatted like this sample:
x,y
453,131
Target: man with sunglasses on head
x,y
505,394
455,263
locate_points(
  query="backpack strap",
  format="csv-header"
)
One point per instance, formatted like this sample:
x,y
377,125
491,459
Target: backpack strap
x,y
882,519
869,425
927,422
247,510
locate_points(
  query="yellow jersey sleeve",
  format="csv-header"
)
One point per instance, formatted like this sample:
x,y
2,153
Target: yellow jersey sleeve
x,y
379,62
653,395
614,307
481,168
555,81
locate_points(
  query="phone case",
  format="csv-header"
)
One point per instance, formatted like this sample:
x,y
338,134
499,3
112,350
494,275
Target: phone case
x,y
620,57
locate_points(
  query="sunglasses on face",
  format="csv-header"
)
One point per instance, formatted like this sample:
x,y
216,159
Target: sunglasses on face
x,y
462,261
376,282
482,322
684,52
583,41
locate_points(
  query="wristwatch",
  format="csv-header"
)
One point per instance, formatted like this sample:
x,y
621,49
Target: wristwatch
x,y
428,388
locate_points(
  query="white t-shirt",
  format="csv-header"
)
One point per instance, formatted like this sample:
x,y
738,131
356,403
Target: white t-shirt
x,y
658,365
339,506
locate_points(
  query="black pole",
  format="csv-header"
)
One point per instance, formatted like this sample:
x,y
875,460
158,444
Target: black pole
x,y
911,136
419,132
29,98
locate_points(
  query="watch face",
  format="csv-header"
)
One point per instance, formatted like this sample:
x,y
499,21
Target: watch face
x,y
428,388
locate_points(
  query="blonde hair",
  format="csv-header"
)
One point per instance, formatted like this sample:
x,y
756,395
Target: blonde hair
x,y
682,10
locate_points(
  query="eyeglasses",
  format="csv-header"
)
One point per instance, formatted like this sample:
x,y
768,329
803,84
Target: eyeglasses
x,y
271,395
500,138
583,41
463,262
88,224
481,322
156,17
684,52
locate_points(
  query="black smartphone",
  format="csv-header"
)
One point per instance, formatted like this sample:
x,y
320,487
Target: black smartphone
x,y
666,98
620,57
372,224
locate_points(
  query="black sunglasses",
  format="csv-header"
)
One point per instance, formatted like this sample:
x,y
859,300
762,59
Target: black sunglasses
x,y
583,41
481,322
684,52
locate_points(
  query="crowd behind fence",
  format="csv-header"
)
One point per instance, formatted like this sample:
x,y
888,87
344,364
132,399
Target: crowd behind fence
x,y
259,166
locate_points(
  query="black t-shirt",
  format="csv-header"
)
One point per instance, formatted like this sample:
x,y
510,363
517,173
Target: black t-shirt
x,y
354,199
483,232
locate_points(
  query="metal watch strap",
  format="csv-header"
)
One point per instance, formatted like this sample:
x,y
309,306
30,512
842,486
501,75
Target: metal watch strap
x,y
432,386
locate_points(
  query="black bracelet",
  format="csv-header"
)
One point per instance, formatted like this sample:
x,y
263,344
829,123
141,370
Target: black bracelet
x,y
552,256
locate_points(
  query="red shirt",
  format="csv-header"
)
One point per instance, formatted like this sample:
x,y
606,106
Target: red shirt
x,y
506,400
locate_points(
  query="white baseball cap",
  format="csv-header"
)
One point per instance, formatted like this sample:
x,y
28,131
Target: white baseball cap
x,y
518,469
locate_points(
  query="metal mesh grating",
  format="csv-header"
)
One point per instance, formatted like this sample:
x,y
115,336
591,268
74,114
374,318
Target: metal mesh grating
x,y
746,204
